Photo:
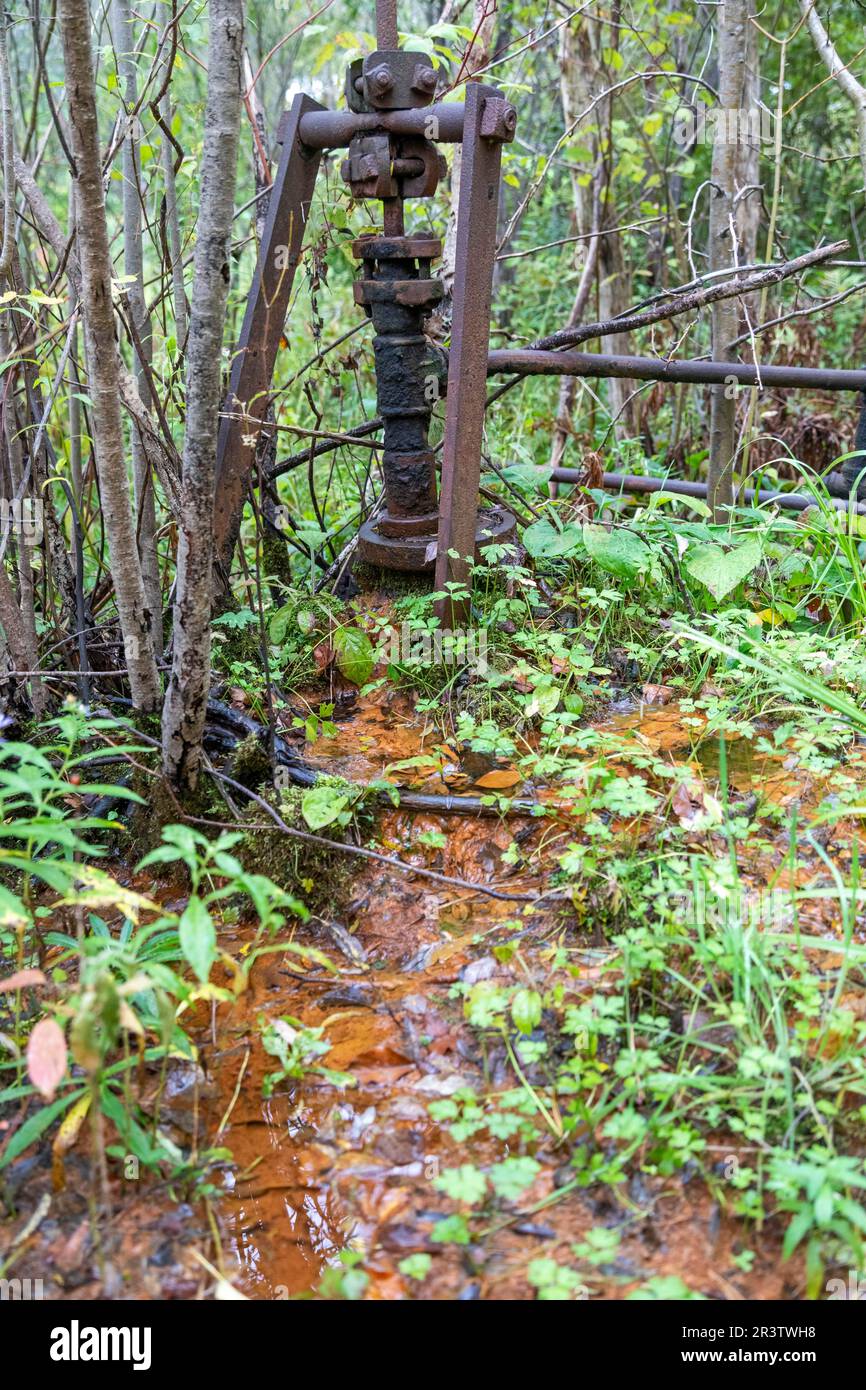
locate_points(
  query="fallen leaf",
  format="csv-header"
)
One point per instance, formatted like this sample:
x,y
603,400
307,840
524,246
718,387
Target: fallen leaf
x,y
323,654
658,694
499,777
23,979
65,1139
46,1057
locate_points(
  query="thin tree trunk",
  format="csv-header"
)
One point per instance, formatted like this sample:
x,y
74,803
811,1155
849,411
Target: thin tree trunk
x,y
749,205
8,146
133,265
25,537
188,688
261,150
854,90
173,229
103,359
731,30
575,85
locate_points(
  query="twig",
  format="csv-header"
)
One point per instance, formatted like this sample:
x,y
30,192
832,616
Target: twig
x,y
322,843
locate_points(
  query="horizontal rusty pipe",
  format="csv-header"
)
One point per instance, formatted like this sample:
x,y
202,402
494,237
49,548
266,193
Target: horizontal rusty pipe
x,y
635,482
599,364
331,130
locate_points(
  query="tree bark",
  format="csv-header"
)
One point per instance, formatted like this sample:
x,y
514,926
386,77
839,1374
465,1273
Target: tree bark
x,y
186,698
575,66
854,90
103,358
172,224
133,265
731,30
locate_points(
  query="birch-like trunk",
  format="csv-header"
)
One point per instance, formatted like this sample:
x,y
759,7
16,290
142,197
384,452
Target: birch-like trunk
x,y
172,225
840,71
103,358
186,698
575,86
731,31
133,265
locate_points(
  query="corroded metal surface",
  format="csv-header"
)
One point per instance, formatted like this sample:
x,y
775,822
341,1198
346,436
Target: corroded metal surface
x,y
252,368
398,292
467,370
417,553
526,362
391,129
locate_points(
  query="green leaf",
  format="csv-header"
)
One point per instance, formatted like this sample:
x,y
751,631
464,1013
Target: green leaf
x,y
720,570
354,654
415,1266
278,625
37,1124
526,1010
452,1230
619,552
198,938
544,541
512,1176
320,806
799,1227
464,1184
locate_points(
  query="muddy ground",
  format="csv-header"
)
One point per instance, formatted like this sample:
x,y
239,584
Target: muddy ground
x,y
317,1171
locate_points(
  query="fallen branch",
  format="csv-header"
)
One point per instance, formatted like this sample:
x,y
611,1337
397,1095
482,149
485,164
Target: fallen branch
x,y
339,846
690,302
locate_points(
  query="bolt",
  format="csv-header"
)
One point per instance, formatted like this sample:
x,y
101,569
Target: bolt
x,y
498,120
381,80
423,79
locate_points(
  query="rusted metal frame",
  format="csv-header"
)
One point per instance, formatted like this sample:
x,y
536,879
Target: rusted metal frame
x,y
398,292
247,401
637,483
590,364
386,24
477,208
332,130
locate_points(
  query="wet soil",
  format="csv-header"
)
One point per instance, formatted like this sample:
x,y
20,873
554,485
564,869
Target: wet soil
x,y
317,1171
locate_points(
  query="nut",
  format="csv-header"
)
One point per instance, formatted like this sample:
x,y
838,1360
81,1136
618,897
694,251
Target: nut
x,y
498,119
423,79
381,79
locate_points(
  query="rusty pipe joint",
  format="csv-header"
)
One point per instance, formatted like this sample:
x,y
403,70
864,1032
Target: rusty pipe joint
x,y
398,292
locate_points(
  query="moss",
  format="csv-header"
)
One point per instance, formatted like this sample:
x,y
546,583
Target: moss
x,y
390,583
320,876
277,559
237,644
160,808
250,763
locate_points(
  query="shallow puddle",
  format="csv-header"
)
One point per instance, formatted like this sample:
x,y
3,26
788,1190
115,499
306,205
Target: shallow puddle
x,y
318,1171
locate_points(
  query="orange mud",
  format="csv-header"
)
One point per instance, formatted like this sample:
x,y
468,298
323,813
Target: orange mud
x,y
317,1170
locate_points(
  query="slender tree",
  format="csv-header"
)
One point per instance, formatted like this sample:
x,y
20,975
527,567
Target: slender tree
x,y
840,71
731,30
133,265
103,358
187,694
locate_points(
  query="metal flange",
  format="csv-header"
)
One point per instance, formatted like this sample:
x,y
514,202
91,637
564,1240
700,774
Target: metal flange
x,y
417,553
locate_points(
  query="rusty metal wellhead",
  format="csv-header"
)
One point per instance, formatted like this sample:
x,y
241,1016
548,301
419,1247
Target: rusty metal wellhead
x,y
390,131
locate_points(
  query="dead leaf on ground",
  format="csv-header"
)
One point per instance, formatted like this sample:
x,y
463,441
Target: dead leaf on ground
x,y
23,979
46,1057
499,777
657,694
